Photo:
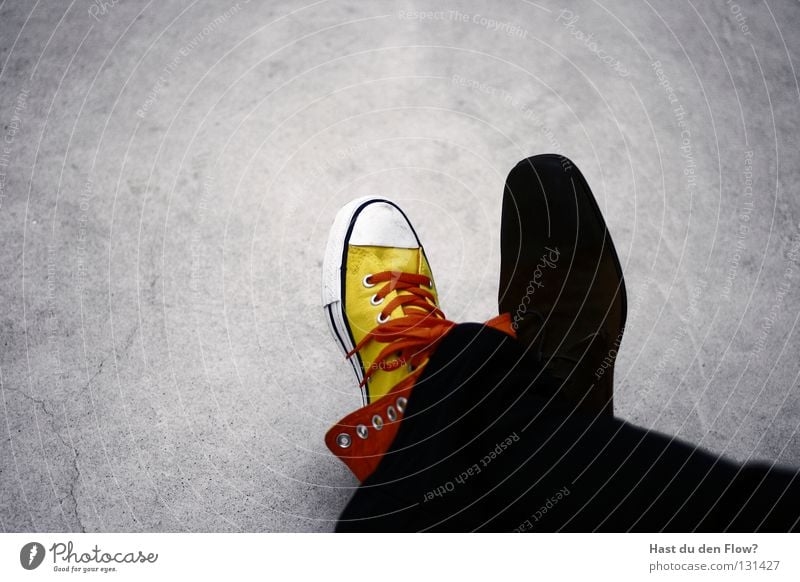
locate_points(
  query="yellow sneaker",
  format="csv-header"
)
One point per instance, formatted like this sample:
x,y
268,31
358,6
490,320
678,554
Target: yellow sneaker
x,y
381,303
379,297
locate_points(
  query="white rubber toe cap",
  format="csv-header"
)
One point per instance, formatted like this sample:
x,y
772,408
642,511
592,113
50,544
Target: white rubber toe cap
x,y
375,221
382,225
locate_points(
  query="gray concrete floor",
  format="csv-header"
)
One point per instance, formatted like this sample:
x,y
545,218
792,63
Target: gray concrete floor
x,y
170,170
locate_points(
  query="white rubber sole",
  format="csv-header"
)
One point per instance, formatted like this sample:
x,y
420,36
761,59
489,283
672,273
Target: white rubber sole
x,y
333,278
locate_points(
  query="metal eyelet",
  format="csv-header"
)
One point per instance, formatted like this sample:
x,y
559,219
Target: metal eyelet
x,y
430,284
366,283
362,431
343,440
374,297
401,404
391,414
381,319
377,422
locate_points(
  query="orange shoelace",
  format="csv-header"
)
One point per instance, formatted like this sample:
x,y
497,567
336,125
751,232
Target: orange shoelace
x,y
362,437
410,339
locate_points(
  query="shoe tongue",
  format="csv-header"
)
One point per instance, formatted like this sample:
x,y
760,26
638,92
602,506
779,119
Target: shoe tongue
x,y
402,261
387,258
378,259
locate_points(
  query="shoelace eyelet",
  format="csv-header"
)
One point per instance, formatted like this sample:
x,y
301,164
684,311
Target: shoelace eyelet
x,y
401,404
343,440
398,335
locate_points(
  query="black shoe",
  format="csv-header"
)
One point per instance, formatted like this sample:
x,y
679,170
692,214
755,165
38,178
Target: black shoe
x,y
560,278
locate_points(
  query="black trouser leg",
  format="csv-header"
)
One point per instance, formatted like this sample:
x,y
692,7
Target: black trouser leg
x,y
485,445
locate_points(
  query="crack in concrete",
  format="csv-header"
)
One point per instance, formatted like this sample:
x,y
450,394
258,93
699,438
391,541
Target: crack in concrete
x,y
76,468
